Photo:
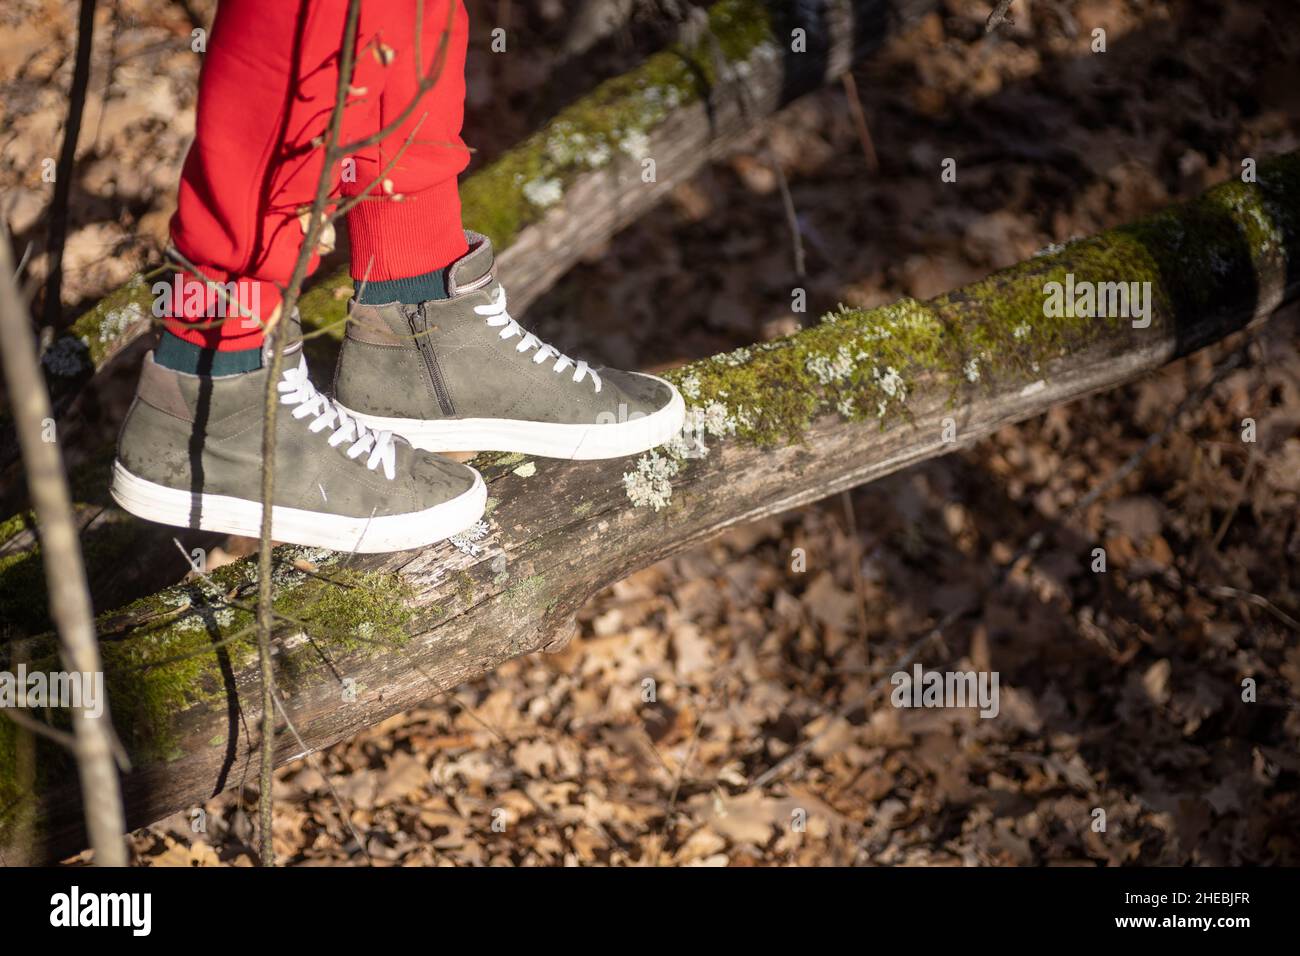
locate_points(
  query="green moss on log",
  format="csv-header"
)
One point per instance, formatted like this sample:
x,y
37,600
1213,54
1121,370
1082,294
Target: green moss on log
x,y
101,327
15,524
353,611
1202,258
523,595
182,642
612,121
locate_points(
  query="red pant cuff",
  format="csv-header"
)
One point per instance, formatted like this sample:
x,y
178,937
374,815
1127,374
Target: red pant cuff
x,y
227,313
401,238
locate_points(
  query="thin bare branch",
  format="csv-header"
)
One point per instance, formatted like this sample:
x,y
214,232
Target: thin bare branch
x,y
859,116
427,83
39,727
58,215
311,759
65,573
998,17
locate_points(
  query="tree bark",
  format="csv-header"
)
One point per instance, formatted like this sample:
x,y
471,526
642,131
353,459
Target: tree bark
x,y
859,396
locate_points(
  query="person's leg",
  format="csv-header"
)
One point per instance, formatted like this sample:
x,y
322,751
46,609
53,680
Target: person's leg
x,y
265,97
190,448
431,352
408,229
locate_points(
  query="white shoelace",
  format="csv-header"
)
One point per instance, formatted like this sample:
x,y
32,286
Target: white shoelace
x,y
296,389
498,316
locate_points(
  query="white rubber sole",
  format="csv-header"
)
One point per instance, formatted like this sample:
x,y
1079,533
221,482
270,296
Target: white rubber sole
x,y
416,529
544,439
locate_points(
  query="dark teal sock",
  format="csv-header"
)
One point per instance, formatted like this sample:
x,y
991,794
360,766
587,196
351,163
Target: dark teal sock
x,y
431,285
175,353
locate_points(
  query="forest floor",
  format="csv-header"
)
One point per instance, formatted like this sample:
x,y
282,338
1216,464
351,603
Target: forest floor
x,y
1122,736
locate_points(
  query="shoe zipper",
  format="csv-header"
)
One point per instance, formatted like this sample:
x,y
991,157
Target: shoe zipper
x,y
419,320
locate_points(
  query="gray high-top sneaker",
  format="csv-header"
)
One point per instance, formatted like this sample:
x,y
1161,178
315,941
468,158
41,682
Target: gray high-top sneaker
x,y
459,374
190,454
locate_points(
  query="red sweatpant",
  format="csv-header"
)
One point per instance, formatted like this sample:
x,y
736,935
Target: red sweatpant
x,y
266,91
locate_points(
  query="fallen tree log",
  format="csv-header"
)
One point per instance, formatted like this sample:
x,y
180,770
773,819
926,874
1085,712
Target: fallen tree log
x,y
545,203
861,395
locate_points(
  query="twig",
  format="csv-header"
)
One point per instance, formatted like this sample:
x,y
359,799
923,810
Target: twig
x,y
346,205
1259,601
65,574
1238,498
855,558
67,158
860,121
791,217
316,221
426,83
678,777
747,109
998,17
277,324
61,737
311,760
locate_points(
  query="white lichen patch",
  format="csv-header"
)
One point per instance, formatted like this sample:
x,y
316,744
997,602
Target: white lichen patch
x,y
313,556
690,386
563,145
651,483
713,420
204,608
566,148
890,382
216,619
284,573
972,370
839,312
175,599
543,193
828,370
1021,331
1255,212
910,315
734,358
117,321
661,100
467,541
635,143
